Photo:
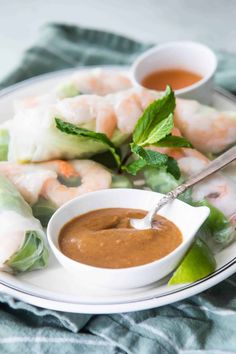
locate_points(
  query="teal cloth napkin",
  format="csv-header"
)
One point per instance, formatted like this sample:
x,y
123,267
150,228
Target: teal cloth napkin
x,y
204,323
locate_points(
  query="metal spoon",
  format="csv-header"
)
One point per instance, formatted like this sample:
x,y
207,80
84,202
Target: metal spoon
x,y
212,167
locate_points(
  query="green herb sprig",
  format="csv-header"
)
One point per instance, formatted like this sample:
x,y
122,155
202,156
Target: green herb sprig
x,y
153,128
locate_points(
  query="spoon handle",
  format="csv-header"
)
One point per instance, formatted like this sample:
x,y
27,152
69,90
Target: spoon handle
x,y
211,168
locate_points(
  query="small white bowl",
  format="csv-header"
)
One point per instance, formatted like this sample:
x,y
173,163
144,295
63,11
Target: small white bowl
x,y
191,56
187,218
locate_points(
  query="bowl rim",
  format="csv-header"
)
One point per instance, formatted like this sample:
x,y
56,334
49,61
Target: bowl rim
x,y
56,250
167,45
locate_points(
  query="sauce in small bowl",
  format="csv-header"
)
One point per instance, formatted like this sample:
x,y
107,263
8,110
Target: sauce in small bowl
x,y
104,238
176,78
107,273
188,67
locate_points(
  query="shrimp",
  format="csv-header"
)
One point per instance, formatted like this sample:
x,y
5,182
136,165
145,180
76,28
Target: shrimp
x,y
127,109
41,179
219,189
85,109
121,110
28,178
97,81
93,177
209,130
129,106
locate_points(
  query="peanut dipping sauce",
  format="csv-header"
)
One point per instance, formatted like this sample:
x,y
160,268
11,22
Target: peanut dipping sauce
x,y
176,78
104,238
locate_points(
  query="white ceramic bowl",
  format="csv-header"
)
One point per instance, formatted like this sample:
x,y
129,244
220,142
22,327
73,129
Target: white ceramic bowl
x,y
190,56
187,218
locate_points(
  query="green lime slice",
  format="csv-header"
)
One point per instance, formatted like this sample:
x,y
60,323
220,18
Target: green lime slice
x,y
197,264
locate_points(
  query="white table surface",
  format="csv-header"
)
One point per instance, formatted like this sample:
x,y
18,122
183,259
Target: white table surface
x,y
209,21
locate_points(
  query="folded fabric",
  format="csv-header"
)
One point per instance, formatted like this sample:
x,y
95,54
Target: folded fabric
x,y
204,323
63,46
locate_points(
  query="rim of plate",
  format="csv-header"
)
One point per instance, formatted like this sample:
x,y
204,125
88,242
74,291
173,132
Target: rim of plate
x,y
127,306
164,298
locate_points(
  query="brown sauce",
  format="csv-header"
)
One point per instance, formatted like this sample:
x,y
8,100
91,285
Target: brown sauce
x,y
104,238
176,78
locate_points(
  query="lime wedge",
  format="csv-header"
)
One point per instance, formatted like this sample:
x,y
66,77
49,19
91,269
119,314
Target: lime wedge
x,y
197,264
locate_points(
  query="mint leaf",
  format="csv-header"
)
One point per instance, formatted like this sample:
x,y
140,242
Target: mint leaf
x,y
160,131
153,115
173,168
134,167
173,141
152,158
68,90
155,125
72,129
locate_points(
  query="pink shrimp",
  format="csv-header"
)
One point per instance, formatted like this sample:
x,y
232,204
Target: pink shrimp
x,y
34,180
99,81
219,189
129,106
208,129
127,110
86,109
93,177
121,110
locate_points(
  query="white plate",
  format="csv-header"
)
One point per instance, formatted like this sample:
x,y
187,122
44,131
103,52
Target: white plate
x,y
55,288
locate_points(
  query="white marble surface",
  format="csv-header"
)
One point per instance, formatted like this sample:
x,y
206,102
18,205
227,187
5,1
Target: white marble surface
x,y
210,21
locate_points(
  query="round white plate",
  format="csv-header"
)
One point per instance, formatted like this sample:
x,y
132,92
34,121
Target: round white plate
x,y
55,288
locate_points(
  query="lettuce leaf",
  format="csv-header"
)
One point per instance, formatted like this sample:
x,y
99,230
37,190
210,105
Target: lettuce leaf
x,y
4,140
217,224
68,90
32,254
43,210
121,181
